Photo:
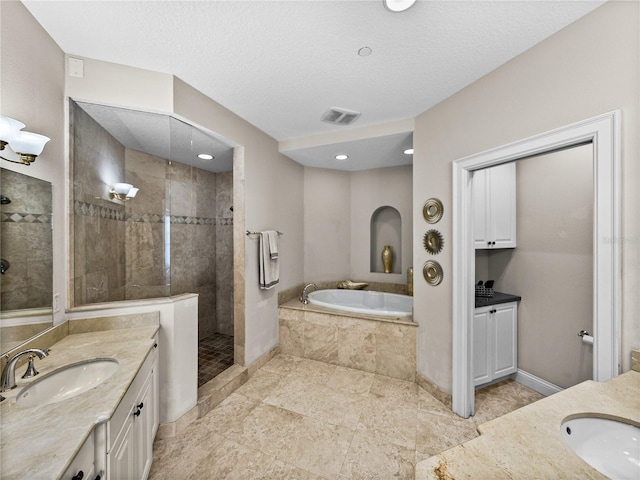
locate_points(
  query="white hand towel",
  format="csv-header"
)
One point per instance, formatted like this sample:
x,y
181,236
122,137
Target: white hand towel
x,y
269,271
273,243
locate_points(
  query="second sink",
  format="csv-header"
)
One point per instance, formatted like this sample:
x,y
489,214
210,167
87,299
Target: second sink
x,y
67,382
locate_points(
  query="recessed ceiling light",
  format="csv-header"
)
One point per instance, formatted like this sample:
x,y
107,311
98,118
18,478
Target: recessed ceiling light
x,y
342,156
364,52
408,151
205,156
398,5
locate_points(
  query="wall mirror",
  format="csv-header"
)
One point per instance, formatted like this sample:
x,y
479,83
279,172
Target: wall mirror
x,y
26,284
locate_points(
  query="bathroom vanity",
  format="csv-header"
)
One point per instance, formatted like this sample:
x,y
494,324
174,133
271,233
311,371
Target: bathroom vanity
x,y
107,431
528,442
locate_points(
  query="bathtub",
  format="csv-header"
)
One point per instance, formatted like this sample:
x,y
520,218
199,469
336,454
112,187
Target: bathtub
x,y
362,301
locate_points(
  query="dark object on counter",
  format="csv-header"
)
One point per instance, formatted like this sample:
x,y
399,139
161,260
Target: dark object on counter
x,y
4,265
4,200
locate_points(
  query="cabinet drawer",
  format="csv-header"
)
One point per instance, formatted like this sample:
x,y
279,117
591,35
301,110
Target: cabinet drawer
x,y
127,403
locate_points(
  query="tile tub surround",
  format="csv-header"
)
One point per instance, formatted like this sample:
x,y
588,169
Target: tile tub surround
x,y
40,442
382,345
303,419
527,443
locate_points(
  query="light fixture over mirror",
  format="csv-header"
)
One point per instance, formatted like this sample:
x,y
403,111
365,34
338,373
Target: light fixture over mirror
x,y
26,145
123,191
398,5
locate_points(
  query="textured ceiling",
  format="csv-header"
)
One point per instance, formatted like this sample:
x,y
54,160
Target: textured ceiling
x,y
281,64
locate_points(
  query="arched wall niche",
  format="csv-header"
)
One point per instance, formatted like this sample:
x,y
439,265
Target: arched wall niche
x,y
386,229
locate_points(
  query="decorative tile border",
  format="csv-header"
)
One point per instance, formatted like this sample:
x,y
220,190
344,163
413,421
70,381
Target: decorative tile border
x,y
90,210
15,217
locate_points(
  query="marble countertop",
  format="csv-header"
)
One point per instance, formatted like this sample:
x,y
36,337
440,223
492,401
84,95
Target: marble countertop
x,y
41,442
498,298
527,443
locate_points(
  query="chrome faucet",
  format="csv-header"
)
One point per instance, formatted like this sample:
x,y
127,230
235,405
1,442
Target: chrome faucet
x,y
304,297
9,373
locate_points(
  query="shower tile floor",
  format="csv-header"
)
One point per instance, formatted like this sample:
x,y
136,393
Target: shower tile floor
x,y
215,355
301,419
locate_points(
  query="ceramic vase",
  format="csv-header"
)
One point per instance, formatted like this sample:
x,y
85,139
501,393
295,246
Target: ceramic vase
x,y
387,258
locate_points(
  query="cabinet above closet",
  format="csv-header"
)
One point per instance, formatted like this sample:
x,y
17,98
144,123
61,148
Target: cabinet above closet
x,y
494,207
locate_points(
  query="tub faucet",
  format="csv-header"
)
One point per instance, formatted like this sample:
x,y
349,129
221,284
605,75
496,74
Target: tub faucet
x,y
9,373
304,297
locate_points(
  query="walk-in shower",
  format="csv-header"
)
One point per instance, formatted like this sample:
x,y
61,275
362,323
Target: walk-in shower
x,y
175,236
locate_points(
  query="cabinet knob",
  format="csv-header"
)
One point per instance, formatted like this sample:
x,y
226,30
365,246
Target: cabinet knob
x,y
136,413
140,405
155,345
78,476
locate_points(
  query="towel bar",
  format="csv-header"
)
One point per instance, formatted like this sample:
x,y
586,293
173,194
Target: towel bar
x,y
248,232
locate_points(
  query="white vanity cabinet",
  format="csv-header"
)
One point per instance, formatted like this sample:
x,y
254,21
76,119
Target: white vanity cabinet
x,y
495,342
494,207
132,428
83,465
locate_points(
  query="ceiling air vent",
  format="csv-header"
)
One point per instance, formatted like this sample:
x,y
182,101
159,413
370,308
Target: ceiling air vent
x,y
340,116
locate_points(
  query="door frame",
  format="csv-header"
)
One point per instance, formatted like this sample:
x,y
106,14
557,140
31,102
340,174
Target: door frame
x,y
604,132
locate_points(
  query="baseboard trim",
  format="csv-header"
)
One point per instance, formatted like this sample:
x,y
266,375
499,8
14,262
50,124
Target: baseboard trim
x,y
434,390
536,383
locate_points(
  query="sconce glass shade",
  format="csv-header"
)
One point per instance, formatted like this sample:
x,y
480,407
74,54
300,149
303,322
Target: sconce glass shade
x,y
122,188
123,191
398,5
9,128
27,143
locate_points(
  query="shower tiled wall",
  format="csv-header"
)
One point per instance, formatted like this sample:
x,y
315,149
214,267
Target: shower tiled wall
x,y
26,242
174,237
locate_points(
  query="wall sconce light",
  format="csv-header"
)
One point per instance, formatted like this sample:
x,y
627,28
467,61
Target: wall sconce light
x,y
26,144
123,191
397,5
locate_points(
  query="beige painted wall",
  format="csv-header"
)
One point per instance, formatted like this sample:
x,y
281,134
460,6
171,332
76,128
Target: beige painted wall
x,y
338,207
32,91
586,69
371,189
552,266
327,224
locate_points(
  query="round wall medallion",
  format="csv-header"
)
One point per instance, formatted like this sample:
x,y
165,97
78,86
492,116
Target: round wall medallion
x,y
433,242
432,272
432,210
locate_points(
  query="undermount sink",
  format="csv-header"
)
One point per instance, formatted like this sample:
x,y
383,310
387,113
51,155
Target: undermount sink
x,y
67,382
610,446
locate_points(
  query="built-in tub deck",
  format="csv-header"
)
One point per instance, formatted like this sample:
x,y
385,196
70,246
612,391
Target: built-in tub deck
x,y
373,343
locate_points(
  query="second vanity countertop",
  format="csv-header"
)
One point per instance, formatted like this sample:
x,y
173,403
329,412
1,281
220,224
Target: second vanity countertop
x,y
40,442
527,443
498,298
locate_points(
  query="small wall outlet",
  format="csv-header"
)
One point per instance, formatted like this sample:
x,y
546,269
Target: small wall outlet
x,y
56,302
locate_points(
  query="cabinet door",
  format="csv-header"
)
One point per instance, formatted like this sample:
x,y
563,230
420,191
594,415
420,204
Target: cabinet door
x,y
143,427
82,466
505,340
502,200
480,210
122,457
481,347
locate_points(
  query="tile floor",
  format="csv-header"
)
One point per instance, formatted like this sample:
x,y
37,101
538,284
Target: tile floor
x,y
215,354
302,419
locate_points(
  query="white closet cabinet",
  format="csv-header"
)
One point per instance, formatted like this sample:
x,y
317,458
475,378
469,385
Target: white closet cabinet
x,y
495,342
494,207
134,425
